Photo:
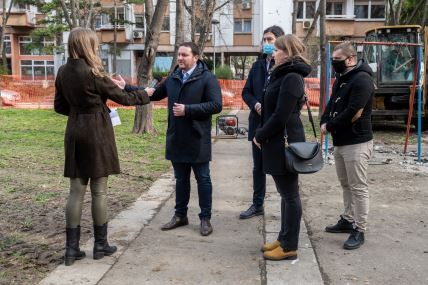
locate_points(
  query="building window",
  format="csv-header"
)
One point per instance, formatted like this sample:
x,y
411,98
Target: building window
x,y
242,26
306,10
165,25
106,19
369,10
334,8
139,21
7,44
37,69
28,47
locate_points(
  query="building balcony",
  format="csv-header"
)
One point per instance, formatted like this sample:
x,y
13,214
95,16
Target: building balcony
x,y
22,19
339,26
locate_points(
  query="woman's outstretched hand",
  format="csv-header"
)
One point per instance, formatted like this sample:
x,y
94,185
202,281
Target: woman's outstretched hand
x,y
119,81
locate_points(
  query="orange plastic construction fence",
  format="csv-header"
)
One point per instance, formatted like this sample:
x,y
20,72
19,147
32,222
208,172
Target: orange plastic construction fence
x,y
40,93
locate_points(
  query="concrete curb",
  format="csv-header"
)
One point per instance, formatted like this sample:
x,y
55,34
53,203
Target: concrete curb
x,y
123,229
305,269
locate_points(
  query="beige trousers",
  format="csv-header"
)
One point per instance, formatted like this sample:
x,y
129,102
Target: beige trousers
x,y
351,168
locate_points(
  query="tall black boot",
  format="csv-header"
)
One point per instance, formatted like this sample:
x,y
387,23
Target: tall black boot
x,y
72,250
101,246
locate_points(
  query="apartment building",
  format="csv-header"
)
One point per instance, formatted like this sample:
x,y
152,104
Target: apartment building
x,y
23,61
236,30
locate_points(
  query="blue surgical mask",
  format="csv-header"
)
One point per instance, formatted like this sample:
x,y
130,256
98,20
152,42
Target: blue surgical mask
x,y
268,49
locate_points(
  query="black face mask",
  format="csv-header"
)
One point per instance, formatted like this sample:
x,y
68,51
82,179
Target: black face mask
x,y
339,66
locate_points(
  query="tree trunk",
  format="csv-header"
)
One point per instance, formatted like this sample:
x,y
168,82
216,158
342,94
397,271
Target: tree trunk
x,y
5,17
143,120
179,31
244,61
207,15
424,18
193,22
397,18
115,37
323,56
313,25
294,16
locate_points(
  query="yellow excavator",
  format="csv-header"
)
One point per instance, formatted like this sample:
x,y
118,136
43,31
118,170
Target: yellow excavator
x,y
394,71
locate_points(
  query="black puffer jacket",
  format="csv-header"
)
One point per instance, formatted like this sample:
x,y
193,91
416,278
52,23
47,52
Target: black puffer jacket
x,y
188,138
348,112
281,114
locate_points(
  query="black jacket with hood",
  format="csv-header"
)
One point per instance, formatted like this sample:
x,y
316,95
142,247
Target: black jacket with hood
x,y
282,102
348,112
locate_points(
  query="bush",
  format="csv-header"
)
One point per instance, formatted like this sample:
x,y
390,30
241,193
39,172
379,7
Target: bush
x,y
224,72
160,73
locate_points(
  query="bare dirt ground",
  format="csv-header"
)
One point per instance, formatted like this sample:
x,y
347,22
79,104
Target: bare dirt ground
x,y
396,249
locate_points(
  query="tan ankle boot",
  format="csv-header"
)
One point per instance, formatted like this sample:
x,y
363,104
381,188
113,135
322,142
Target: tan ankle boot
x,y
270,246
279,254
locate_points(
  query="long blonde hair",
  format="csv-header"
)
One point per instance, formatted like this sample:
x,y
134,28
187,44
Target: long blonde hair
x,y
293,46
83,43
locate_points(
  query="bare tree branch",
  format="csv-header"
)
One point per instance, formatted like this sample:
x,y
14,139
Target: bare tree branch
x,y
314,23
90,14
415,10
66,15
222,5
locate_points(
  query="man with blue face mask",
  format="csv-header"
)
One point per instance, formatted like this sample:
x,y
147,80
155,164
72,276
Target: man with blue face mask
x,y
253,96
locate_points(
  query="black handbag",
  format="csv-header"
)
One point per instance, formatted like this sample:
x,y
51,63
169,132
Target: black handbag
x,y
304,157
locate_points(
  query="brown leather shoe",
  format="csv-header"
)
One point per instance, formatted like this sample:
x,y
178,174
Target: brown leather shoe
x,y
270,246
175,223
206,228
279,254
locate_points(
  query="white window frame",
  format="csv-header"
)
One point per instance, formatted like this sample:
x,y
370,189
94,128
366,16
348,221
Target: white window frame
x,y
105,21
169,24
6,39
304,10
46,63
242,20
332,8
144,22
27,40
369,4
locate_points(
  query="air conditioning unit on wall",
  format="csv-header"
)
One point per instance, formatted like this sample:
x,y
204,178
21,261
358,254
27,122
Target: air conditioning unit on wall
x,y
307,24
137,34
246,5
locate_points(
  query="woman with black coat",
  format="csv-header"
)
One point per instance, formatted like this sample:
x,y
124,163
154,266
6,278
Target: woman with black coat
x,y
82,90
281,123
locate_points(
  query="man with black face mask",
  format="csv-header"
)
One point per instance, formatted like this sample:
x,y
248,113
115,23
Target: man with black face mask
x,y
347,117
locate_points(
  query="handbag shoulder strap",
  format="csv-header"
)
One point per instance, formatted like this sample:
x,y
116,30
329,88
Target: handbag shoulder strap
x,y
311,119
305,97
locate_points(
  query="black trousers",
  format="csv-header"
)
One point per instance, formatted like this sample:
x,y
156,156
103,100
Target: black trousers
x,y
259,177
291,210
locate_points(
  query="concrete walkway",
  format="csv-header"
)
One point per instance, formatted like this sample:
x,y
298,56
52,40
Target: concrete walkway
x,y
231,255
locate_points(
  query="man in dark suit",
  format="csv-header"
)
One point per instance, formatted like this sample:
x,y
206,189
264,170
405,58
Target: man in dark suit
x,y
193,96
253,97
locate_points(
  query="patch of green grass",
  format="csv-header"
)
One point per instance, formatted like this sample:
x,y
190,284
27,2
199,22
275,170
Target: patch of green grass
x,y
28,222
9,240
44,197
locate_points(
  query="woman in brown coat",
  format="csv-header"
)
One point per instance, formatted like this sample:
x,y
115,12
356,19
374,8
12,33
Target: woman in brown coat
x,y
82,89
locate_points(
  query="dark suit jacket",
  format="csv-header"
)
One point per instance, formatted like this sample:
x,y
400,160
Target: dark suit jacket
x,y
90,147
188,138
